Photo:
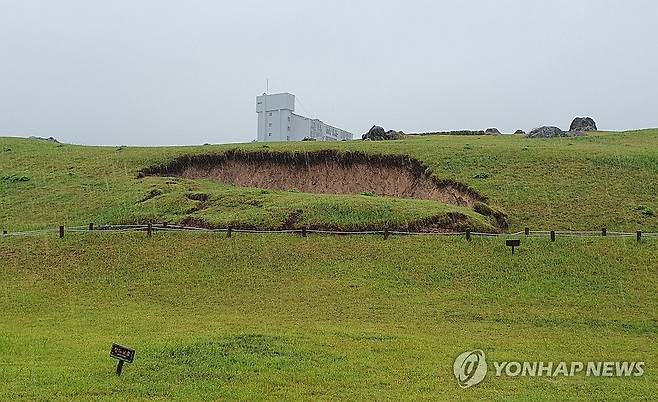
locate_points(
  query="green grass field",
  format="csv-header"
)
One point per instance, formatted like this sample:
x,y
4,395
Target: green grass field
x,y
278,316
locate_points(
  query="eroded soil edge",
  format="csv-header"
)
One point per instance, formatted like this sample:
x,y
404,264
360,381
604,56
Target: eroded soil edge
x,y
327,172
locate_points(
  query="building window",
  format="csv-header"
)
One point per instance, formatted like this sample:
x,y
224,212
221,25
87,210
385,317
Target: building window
x,y
270,134
288,128
288,118
270,124
269,114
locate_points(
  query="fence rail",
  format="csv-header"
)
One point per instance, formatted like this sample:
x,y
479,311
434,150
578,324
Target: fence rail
x,y
164,227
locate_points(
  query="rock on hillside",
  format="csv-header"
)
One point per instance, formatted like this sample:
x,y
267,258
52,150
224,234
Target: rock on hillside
x,y
49,139
377,133
551,132
583,124
492,131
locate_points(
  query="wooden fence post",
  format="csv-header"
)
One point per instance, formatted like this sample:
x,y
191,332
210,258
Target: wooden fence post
x,y
91,226
552,235
303,231
229,230
468,234
149,230
527,231
639,235
61,232
604,232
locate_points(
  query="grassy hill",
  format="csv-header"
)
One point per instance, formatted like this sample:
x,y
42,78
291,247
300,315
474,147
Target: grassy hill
x,y
326,317
582,183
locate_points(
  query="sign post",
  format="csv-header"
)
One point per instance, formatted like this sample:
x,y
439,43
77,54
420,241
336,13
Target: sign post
x,y
123,354
513,243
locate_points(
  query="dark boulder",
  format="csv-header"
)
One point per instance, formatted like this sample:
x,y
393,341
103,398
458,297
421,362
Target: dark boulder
x,y
545,132
393,135
377,133
519,131
551,132
492,131
49,139
583,124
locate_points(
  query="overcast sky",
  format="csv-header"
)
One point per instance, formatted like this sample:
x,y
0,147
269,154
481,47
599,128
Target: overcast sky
x,y
151,72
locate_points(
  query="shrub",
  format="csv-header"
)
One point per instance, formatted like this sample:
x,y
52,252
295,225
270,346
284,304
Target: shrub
x,y
14,178
646,211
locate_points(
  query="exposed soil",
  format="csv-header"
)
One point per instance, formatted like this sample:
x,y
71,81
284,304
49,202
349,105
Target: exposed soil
x,y
151,194
325,172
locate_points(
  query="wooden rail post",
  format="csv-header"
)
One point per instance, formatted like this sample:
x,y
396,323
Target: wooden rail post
x,y
303,231
552,235
468,234
604,232
91,226
229,230
4,232
527,232
639,235
61,231
149,230
386,233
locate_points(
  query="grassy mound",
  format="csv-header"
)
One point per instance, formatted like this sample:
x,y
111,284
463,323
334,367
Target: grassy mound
x,y
604,179
206,203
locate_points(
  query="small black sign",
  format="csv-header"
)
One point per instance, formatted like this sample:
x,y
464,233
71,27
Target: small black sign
x,y
122,353
513,242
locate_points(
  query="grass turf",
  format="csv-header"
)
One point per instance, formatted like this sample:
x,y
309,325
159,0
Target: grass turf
x,y
583,183
280,316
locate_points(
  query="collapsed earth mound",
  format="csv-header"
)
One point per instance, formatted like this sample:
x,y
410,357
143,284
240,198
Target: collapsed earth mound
x,y
325,172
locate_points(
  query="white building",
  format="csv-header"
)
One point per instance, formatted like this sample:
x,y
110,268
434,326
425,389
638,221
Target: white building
x,y
278,122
